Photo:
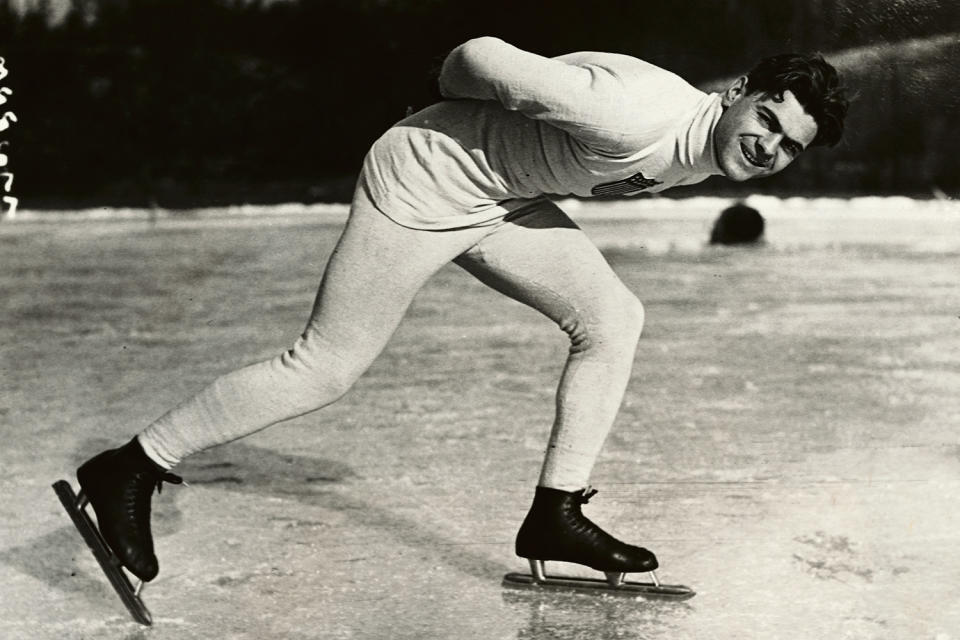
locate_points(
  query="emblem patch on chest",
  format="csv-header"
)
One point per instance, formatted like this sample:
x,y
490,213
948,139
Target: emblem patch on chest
x,y
635,182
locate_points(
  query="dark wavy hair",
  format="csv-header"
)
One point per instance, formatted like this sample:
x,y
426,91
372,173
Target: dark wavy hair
x,y
813,81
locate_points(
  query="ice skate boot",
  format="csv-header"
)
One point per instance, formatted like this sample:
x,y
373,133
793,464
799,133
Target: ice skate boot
x,y
556,529
119,483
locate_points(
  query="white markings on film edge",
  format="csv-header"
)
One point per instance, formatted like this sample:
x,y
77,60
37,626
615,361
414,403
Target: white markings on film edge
x,y
8,118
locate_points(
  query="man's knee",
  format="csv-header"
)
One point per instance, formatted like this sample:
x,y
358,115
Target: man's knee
x,y
615,321
629,318
322,375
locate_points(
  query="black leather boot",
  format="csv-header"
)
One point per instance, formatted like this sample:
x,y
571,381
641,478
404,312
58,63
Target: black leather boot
x,y
555,529
119,484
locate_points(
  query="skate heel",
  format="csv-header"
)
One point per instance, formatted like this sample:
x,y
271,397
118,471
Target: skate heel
x,y
614,578
537,570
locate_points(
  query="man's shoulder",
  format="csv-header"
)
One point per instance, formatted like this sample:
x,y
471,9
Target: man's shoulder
x,y
625,67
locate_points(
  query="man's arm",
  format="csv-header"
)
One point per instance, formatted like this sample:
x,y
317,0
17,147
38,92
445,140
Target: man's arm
x,y
584,100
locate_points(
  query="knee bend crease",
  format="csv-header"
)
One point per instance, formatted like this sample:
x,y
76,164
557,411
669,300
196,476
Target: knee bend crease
x,y
621,326
331,374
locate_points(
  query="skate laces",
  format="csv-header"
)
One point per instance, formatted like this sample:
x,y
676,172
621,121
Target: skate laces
x,y
136,502
583,497
137,494
167,477
583,525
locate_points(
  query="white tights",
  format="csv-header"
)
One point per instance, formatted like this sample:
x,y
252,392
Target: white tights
x,y
537,256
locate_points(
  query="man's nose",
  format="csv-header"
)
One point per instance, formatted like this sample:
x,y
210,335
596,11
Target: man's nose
x,y
767,145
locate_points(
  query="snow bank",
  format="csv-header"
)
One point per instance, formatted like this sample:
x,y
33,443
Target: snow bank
x,y
654,225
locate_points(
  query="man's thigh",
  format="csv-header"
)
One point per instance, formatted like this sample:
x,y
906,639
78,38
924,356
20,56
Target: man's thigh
x,y
374,273
543,259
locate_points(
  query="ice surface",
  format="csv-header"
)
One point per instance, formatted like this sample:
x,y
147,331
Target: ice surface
x,y
788,443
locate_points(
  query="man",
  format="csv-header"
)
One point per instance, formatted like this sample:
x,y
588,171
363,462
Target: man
x,y
464,180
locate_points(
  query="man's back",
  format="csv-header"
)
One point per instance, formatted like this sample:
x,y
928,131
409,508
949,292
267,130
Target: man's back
x,y
520,125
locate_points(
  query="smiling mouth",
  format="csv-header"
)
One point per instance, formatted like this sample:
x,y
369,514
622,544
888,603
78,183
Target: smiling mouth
x,y
751,158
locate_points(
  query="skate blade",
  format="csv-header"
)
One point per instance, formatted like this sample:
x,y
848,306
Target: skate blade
x,y
108,561
597,586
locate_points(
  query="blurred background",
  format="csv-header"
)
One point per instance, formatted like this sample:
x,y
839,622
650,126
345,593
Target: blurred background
x,y
184,103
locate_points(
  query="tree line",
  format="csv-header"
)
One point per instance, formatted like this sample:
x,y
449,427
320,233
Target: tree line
x,y
180,103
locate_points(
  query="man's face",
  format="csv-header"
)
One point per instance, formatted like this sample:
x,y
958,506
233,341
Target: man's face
x,y
760,135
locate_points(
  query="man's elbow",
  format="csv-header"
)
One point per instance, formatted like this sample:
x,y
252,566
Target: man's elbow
x,y
472,57
480,48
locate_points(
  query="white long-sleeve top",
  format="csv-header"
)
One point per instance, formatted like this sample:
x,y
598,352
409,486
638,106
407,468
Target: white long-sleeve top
x,y
517,125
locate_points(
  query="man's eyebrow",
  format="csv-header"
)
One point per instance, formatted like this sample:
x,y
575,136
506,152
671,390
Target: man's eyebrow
x,y
776,126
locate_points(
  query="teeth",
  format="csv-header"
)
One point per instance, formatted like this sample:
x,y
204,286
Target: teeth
x,y
751,158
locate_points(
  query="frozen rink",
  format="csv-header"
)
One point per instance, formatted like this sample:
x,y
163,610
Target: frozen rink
x,y
788,445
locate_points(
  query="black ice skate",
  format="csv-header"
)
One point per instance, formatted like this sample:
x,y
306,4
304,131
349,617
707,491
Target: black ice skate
x,y
556,529
118,484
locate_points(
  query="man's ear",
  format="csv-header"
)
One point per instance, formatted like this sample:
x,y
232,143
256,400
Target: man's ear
x,y
734,91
